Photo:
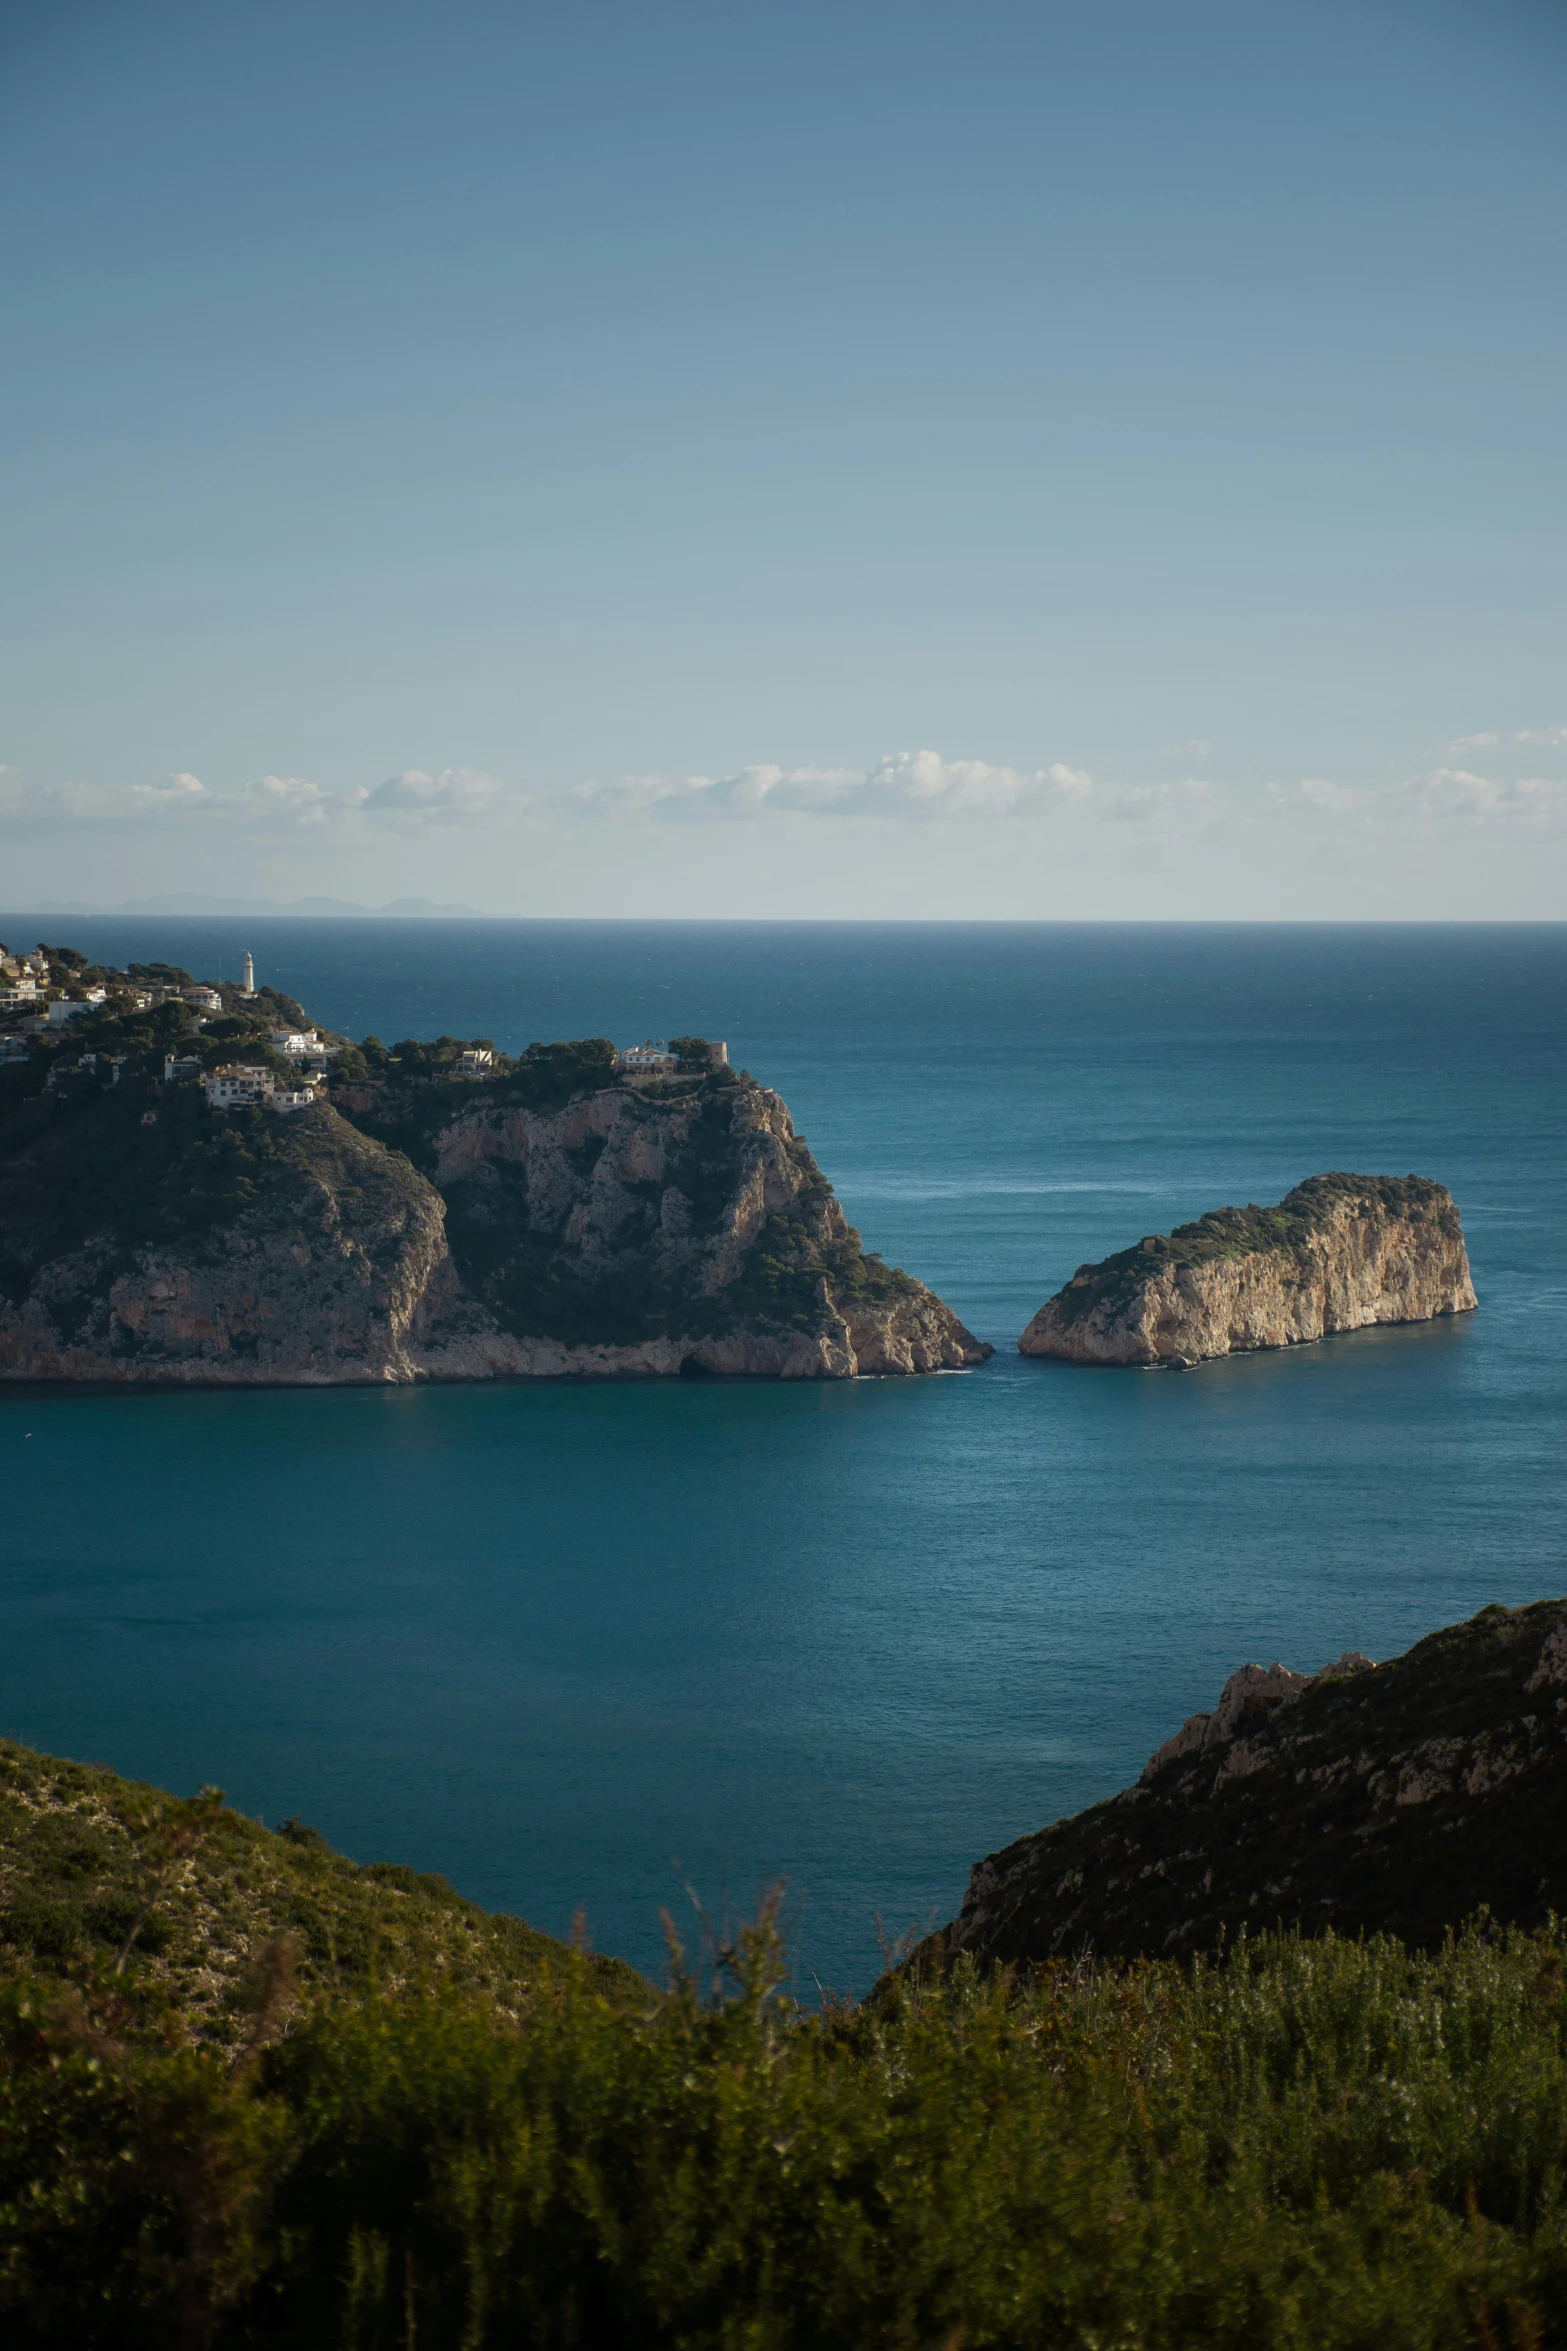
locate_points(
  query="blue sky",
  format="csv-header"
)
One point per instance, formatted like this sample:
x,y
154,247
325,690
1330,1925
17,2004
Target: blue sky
x,y
824,460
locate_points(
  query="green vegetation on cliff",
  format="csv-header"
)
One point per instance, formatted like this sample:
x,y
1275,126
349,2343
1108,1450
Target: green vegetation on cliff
x,y
1308,2147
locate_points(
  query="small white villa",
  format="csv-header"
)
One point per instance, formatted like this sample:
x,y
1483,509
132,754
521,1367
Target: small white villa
x,y
653,1059
241,1085
65,1008
302,1045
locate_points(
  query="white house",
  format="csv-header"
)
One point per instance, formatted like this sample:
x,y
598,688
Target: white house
x,y
207,998
302,1045
475,1061
240,1085
653,1059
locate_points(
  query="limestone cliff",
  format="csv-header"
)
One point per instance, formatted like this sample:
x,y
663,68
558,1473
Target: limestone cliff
x,y
1400,1797
544,1224
1338,1253
305,1257
687,1229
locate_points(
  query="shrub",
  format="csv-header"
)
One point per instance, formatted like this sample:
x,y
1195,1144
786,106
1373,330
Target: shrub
x,y
1311,2147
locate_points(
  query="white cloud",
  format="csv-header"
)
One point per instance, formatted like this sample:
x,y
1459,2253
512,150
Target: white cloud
x,y
288,801
1440,795
457,796
27,802
1148,803
905,784
903,787
268,804
1457,792
1526,739
1316,792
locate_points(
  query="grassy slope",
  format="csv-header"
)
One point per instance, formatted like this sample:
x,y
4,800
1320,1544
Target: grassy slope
x,y
82,1851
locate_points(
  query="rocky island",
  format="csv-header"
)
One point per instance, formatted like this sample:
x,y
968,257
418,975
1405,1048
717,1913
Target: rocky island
x,y
198,1185
1338,1253
1397,1798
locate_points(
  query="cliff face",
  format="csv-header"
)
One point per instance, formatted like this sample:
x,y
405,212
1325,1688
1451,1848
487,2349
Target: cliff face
x,y
1338,1253
311,1268
1401,1797
453,1231
622,1232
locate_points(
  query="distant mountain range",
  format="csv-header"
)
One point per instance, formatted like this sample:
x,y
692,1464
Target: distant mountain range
x,y
187,902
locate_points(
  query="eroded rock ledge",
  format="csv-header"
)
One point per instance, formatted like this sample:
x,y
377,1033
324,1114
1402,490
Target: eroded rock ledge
x,y
1399,1797
1338,1253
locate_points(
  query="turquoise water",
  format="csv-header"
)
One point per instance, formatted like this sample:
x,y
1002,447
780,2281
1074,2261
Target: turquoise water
x,y
552,1640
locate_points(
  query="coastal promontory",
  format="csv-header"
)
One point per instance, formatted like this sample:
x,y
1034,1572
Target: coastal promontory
x,y
1338,1253
198,1186
1397,1798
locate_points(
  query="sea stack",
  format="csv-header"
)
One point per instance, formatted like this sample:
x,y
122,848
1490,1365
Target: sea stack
x,y
1338,1253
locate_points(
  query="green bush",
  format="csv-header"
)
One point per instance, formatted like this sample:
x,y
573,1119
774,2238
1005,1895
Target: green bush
x,y
1313,2146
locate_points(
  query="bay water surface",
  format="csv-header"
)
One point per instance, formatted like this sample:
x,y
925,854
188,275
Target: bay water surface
x,y
575,1645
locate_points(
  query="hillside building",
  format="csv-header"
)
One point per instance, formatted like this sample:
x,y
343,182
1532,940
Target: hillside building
x,y
244,1085
652,1059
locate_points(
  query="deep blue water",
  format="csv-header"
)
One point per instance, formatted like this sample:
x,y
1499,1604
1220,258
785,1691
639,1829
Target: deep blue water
x,y
547,1639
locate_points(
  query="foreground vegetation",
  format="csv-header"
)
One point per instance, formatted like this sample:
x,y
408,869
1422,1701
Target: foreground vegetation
x,y
254,2094
171,1900
1311,2144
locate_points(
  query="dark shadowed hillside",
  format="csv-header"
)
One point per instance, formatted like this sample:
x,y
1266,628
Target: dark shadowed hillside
x,y
1397,1798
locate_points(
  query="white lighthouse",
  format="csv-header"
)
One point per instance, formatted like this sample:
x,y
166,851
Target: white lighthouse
x,y
250,977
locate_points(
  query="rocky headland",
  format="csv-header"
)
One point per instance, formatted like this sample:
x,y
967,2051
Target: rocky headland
x,y
1399,1798
1338,1253
427,1212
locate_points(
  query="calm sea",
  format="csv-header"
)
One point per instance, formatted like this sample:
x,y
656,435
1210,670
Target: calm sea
x,y
554,1641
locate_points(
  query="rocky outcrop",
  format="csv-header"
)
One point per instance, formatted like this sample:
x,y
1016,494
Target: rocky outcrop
x,y
1401,1797
318,1277
623,1233
449,1232
1338,1253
